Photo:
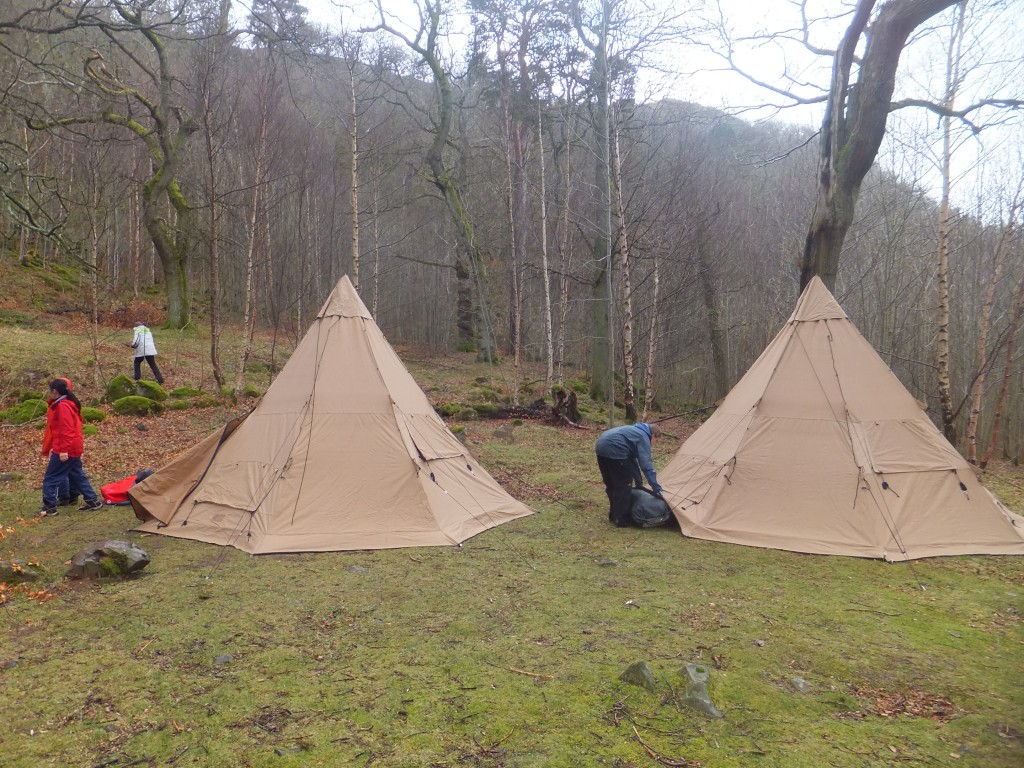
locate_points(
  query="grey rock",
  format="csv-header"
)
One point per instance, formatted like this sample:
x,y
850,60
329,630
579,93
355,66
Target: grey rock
x,y
142,427
800,685
638,673
504,432
226,658
17,571
10,477
110,558
606,562
8,663
357,569
288,751
697,697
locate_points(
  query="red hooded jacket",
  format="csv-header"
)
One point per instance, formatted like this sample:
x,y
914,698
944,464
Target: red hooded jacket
x,y
63,429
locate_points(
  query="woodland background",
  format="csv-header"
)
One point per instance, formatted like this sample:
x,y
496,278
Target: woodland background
x,y
503,176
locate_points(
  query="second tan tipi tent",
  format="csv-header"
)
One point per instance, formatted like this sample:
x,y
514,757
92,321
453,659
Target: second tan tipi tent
x,y
819,448
343,452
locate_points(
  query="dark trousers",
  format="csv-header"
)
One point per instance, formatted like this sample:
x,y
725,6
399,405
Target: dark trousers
x,y
151,359
618,483
64,474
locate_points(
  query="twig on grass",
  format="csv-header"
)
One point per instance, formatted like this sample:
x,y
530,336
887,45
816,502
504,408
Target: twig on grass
x,y
174,758
872,610
531,674
677,762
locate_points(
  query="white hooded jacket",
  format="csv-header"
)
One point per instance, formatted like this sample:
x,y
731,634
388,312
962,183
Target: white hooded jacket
x,y
143,342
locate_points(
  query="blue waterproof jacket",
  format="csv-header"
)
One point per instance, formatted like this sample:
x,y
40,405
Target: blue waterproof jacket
x,y
632,441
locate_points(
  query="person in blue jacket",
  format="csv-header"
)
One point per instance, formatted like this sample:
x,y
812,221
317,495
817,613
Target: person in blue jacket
x,y
622,454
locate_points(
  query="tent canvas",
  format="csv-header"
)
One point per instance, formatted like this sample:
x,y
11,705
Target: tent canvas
x,y
343,452
819,448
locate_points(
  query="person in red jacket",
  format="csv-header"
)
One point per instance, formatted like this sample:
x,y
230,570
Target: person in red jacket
x,y
63,443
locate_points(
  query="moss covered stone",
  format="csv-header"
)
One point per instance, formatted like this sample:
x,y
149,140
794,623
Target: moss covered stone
x,y
447,410
21,395
206,402
135,405
150,389
181,392
119,386
24,412
90,429
90,415
250,391
179,405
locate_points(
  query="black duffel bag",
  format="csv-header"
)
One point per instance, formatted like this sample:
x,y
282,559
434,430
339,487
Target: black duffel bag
x,y
648,510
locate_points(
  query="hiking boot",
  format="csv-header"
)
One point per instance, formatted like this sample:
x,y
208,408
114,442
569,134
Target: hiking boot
x,y
47,512
91,506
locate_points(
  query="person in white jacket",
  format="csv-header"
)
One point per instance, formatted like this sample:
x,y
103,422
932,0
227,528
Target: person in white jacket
x,y
145,348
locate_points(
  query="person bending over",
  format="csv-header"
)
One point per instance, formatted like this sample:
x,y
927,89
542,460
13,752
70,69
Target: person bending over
x,y
623,453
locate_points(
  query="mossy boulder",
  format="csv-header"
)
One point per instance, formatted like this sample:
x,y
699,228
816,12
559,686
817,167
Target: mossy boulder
x,y
136,405
206,402
21,395
487,409
90,415
150,389
178,405
119,387
181,392
24,412
448,410
90,429
250,391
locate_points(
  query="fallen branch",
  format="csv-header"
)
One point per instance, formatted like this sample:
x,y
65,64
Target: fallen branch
x,y
677,762
531,674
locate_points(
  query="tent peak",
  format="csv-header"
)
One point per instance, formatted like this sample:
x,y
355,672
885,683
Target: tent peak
x,y
817,303
344,301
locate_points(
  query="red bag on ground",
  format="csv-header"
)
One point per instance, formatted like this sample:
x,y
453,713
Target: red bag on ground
x,y
117,492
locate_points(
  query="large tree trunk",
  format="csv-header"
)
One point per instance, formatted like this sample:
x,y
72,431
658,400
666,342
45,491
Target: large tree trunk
x,y
854,123
1004,387
978,388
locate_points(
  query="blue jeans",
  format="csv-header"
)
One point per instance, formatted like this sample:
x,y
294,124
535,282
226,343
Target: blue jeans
x,y
64,474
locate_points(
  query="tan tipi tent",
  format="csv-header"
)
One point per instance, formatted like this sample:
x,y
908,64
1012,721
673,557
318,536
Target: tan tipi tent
x,y
819,448
344,451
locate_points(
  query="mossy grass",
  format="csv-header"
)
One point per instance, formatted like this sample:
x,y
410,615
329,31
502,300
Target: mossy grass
x,y
507,651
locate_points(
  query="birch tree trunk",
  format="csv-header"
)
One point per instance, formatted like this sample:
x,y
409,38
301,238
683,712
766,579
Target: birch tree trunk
x,y
946,413
626,288
652,341
548,341
254,238
353,135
